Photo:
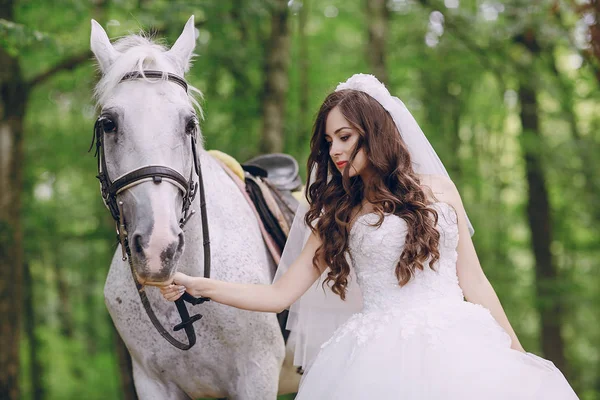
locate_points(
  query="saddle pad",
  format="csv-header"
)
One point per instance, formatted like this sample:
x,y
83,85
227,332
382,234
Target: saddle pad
x,y
271,245
229,162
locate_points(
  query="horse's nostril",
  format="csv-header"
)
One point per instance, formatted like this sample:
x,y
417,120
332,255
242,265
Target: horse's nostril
x,y
137,244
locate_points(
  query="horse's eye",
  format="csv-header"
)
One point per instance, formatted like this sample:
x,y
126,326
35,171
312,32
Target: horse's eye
x,y
108,125
190,126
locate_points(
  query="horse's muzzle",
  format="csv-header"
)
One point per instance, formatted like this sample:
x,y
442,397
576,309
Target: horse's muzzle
x,y
155,259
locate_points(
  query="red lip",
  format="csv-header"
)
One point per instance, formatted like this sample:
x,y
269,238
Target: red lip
x,y
340,164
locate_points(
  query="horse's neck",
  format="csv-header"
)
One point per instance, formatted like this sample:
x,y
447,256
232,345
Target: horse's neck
x,y
218,187
210,173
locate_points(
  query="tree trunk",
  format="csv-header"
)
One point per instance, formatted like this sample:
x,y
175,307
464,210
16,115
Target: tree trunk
x,y
35,365
539,215
584,151
443,112
125,367
13,96
65,313
592,55
236,63
89,303
378,16
276,79
303,122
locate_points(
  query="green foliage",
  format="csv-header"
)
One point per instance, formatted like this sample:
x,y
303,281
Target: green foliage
x,y
15,37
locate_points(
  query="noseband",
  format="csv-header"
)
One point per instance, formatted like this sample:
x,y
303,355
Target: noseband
x,y
156,173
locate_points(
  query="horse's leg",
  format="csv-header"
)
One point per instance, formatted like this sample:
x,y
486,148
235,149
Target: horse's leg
x,y
289,380
151,387
258,378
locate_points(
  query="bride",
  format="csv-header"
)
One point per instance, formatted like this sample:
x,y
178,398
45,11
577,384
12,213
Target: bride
x,y
384,214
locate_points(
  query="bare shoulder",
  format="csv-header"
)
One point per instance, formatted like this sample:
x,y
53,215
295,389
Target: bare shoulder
x,y
438,185
441,188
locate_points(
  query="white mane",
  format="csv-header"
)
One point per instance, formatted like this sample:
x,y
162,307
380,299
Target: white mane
x,y
138,53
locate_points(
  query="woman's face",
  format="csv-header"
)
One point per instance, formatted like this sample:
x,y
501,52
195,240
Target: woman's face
x,y
342,139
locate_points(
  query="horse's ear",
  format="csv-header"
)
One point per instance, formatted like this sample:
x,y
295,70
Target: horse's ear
x,y
101,47
183,48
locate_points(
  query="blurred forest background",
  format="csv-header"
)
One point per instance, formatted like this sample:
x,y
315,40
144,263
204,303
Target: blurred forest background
x,y
506,90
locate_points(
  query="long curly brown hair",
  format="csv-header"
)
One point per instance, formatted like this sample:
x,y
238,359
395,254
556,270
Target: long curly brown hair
x,y
393,189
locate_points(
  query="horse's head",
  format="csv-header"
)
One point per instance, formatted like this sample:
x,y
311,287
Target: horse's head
x,y
146,124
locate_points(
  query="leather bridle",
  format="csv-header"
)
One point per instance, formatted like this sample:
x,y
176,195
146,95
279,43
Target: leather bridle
x,y
156,173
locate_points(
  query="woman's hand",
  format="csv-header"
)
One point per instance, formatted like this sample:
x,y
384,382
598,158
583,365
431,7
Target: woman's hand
x,y
181,283
172,292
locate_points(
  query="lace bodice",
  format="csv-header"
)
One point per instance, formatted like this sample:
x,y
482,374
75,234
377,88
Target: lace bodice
x,y
375,251
428,305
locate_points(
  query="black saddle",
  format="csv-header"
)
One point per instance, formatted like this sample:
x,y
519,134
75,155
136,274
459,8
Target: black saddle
x,y
281,169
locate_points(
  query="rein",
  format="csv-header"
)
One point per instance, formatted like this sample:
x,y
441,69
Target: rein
x,y
156,173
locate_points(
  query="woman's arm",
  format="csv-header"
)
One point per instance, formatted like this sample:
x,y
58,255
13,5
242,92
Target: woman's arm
x,y
269,298
473,282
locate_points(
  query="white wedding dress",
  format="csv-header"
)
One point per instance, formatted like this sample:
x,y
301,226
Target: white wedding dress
x,y
421,341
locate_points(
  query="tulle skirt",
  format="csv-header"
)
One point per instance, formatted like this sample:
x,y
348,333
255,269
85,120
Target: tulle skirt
x,y
445,351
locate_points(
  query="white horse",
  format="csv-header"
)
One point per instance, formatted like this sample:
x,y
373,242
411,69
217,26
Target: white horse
x,y
148,122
